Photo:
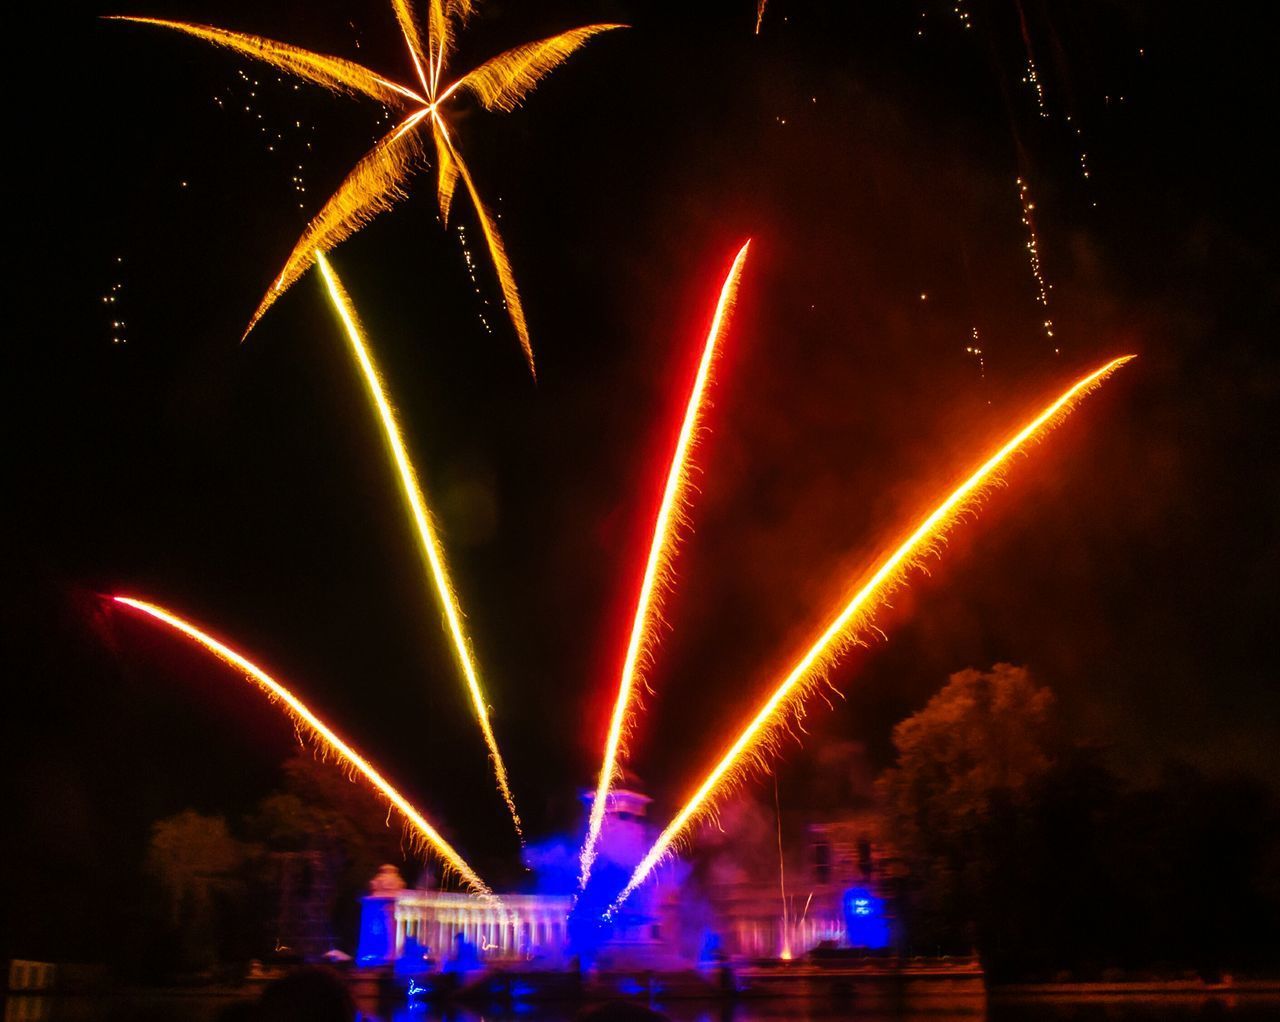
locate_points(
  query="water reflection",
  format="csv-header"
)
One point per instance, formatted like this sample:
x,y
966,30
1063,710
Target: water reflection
x,y
1057,1009
1096,1008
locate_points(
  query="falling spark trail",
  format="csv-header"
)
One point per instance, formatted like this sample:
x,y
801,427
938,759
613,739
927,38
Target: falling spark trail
x,y
1033,252
856,615
432,550
658,565
782,875
1032,75
321,731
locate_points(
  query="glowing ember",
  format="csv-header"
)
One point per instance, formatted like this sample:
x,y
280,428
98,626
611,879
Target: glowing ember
x,y
432,551
757,739
657,568
378,181
1032,74
1033,253
328,740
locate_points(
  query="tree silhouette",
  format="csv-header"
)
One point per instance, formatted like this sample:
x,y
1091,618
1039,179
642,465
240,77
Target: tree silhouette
x,y
197,863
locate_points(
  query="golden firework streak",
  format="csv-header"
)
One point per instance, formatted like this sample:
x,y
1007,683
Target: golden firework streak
x,y
323,733
432,551
752,744
657,567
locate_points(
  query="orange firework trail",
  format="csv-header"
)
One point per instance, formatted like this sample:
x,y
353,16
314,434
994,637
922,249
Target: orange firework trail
x,y
658,566
756,739
322,733
432,551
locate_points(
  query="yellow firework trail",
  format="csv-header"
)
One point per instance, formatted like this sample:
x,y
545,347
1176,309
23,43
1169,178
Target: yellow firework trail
x,y
657,568
323,734
378,181
755,742
432,551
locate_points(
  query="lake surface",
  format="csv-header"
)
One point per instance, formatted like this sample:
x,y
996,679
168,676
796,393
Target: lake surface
x,y
1086,1008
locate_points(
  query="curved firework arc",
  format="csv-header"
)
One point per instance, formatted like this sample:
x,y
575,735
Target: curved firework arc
x,y
322,733
754,742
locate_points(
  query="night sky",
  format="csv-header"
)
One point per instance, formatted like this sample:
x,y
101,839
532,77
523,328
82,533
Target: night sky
x,y
1130,563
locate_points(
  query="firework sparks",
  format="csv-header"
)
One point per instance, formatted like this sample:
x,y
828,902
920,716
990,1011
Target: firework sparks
x,y
432,551
1031,76
1033,253
112,300
323,734
658,566
754,743
379,180
976,352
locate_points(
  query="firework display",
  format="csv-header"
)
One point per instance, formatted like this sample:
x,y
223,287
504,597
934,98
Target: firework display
x,y
758,739
432,549
657,570
327,739
380,179
425,131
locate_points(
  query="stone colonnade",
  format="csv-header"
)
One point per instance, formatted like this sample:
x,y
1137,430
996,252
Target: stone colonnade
x,y
522,926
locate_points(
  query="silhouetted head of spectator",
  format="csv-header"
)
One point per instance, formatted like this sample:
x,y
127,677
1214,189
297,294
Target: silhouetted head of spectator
x,y
621,1011
313,994
238,1011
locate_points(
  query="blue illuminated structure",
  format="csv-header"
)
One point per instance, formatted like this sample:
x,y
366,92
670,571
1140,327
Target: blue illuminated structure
x,y
377,941
864,922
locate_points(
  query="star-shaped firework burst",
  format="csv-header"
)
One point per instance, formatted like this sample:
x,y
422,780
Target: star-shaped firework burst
x,y
377,182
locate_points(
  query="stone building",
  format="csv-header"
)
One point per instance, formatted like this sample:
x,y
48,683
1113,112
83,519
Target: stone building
x,y
520,927
839,893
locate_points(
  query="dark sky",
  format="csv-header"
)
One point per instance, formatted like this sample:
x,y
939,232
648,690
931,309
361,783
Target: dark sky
x,y
1130,562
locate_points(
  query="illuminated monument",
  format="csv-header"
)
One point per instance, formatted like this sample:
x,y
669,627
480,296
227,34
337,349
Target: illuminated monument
x,y
531,927
839,897
524,927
